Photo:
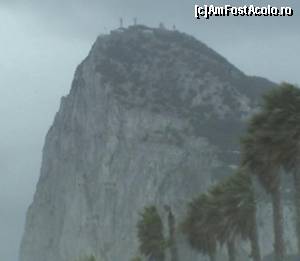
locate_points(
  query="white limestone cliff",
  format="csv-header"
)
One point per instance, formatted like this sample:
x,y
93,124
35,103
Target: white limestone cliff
x,y
153,117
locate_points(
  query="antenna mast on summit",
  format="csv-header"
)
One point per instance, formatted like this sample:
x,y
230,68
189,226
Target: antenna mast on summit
x,y
161,26
121,22
135,21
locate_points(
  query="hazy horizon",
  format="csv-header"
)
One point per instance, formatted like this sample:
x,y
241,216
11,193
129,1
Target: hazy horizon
x,y
43,42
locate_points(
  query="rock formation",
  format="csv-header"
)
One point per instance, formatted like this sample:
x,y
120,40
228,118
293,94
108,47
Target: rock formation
x,y
153,117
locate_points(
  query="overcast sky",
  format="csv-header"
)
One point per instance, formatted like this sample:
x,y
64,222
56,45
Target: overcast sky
x,y
42,42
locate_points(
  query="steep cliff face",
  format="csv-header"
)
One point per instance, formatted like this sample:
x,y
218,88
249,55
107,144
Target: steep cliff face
x,y
153,117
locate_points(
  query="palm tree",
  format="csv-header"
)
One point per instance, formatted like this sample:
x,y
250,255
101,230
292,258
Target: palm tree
x,y
237,207
200,233
262,155
150,234
283,106
226,212
224,233
172,234
88,258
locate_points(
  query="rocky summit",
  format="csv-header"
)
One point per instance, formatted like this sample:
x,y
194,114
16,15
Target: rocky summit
x,y
153,117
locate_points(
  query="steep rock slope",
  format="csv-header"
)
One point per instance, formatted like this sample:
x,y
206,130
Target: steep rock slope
x,y
153,117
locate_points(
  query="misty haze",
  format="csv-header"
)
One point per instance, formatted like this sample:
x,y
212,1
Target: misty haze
x,y
132,131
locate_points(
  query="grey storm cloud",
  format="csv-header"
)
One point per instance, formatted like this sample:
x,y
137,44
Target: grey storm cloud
x,y
42,42
85,19
259,38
